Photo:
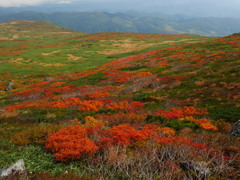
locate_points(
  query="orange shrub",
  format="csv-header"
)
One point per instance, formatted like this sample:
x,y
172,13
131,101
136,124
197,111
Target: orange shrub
x,y
22,105
70,143
208,126
125,134
125,105
203,122
74,141
57,84
182,112
167,131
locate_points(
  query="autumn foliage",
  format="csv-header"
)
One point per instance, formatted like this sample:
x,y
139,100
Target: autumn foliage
x,y
182,112
189,113
73,142
70,143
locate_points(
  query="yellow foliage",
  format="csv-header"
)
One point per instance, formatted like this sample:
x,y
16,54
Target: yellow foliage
x,y
167,131
91,122
36,135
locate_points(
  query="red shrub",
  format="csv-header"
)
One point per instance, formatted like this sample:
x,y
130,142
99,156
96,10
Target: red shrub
x,y
70,143
74,141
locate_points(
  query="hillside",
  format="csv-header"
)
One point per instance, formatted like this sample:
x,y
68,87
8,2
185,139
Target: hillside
x,y
130,106
34,50
93,22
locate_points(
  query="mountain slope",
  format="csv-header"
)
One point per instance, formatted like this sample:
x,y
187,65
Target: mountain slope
x,y
38,49
92,22
203,74
156,106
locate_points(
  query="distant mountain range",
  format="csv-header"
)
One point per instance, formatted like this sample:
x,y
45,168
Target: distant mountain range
x,y
98,21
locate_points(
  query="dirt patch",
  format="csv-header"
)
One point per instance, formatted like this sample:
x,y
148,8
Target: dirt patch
x,y
29,60
51,64
124,46
16,60
20,21
20,61
4,38
73,58
46,54
15,37
59,32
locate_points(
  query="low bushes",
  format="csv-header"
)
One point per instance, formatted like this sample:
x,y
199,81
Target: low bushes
x,y
36,135
73,142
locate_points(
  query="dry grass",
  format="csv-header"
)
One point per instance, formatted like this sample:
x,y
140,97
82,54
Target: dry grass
x,y
74,58
51,64
124,46
46,54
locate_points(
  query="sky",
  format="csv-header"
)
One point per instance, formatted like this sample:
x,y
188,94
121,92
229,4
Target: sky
x,y
217,8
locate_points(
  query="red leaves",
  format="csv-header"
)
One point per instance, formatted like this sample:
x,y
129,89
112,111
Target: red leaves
x,y
105,142
11,51
70,143
84,105
51,92
177,113
22,105
187,113
74,141
125,105
173,114
95,105
124,134
87,105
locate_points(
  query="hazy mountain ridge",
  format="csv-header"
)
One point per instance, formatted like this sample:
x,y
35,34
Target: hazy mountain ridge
x,y
92,22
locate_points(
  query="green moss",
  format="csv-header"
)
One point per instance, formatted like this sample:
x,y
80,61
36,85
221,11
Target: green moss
x,y
229,113
89,80
156,119
143,97
178,125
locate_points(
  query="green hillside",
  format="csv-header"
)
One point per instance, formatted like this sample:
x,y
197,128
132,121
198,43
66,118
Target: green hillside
x,y
39,49
119,105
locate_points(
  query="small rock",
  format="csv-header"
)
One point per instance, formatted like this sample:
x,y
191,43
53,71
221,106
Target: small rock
x,y
18,167
235,131
48,79
10,86
200,170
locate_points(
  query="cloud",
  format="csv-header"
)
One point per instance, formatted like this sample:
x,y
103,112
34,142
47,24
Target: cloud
x,y
63,2
18,3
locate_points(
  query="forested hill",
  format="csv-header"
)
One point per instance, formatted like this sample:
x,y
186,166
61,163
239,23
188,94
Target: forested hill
x,y
92,22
